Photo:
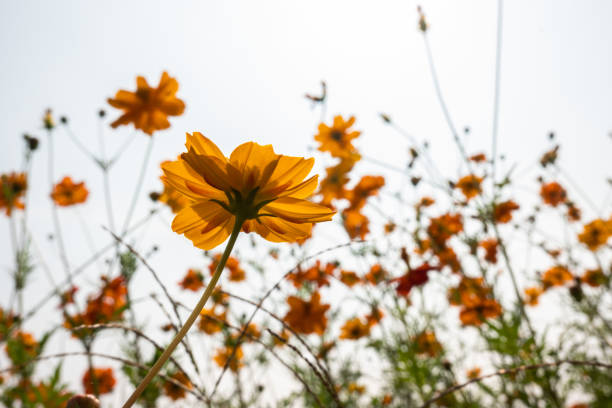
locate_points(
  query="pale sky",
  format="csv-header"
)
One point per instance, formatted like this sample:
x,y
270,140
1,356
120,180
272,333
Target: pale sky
x,y
244,66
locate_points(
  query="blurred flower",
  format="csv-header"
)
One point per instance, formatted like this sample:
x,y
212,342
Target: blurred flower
x,y
556,276
337,139
376,274
414,277
224,354
48,121
315,274
596,233
12,188
427,343
390,227
355,223
469,290
172,197
478,158
67,193
594,277
210,321
67,297
550,157
193,280
553,193
447,257
425,202
476,311
173,391
332,187
356,388
307,317
349,278
375,316
354,329
236,273
573,212
261,189
104,380
148,108
367,186
469,186
490,247
441,228
473,373
532,295
502,212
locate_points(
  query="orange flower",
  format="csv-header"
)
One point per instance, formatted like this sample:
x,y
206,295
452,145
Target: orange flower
x,y
67,297
390,227
356,388
67,193
502,212
173,391
236,273
475,313
104,380
387,399
478,158
255,187
447,257
425,202
349,278
469,290
374,317
596,233
26,344
469,186
594,277
414,277
442,228
553,193
427,343
224,354
367,186
337,139
12,188
172,197
193,280
376,274
332,187
556,276
532,295
573,212
354,329
307,317
315,274
490,247
148,108
473,373
355,223
211,322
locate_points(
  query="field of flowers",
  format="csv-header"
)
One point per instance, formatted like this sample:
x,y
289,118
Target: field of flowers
x,y
429,296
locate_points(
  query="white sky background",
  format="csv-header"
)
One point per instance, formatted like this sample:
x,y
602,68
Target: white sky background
x,y
243,67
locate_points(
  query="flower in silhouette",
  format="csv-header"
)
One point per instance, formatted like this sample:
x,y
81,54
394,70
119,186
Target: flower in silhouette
x,y
67,192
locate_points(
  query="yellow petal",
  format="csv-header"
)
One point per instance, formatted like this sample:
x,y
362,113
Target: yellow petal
x,y
298,210
172,107
283,230
288,172
206,224
211,169
141,83
302,190
203,145
159,120
124,100
183,178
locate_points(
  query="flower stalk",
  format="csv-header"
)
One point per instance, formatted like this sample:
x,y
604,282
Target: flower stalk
x,y
190,320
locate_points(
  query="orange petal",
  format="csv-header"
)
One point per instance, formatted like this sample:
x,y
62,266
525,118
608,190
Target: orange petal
x,y
211,169
298,210
203,145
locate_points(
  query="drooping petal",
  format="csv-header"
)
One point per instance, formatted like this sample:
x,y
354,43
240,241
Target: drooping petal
x,y
298,210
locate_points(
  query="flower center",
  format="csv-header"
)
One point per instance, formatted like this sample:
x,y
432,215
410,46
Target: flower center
x,y
336,135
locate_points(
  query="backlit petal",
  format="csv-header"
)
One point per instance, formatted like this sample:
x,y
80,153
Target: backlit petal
x,y
298,210
203,145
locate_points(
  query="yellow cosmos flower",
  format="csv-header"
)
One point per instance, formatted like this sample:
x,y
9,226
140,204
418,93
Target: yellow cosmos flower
x,y
148,108
337,138
262,191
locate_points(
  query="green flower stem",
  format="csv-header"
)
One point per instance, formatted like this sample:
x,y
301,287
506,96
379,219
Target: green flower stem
x,y
190,320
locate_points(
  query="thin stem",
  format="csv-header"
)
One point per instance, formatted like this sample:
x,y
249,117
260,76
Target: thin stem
x,y
190,320
500,9
143,170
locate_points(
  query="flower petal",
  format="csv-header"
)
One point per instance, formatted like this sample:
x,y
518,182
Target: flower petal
x,y
183,178
203,145
211,169
298,210
206,224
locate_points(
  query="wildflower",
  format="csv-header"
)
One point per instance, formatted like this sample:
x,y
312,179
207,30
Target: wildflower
x,y
315,274
594,277
442,228
236,273
490,247
502,212
478,158
332,187
375,316
252,332
173,391
475,312
104,380
367,186
387,399
473,373
356,388
390,227
355,223
307,317
67,193
447,257
556,276
553,193
596,233
148,108
211,322
337,139
67,297
193,280
469,290
224,354
280,339
22,343
532,295
573,212
469,186
12,188
427,343
349,278
172,197
550,157
376,274
425,202
354,329
414,277
255,188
